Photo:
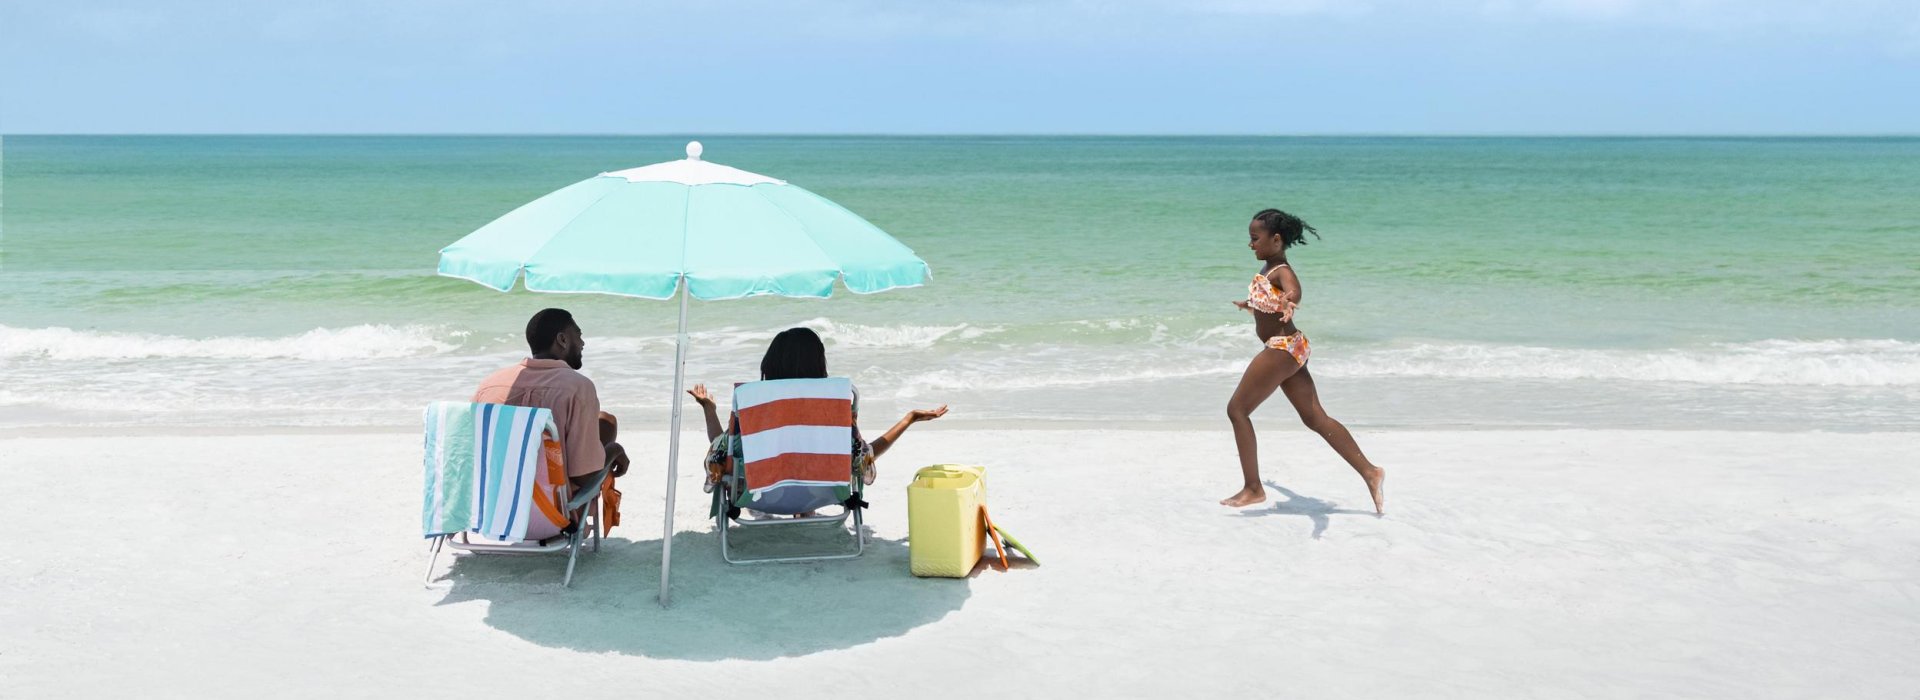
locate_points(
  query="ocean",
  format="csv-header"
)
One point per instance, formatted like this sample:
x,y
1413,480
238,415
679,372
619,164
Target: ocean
x,y
1687,283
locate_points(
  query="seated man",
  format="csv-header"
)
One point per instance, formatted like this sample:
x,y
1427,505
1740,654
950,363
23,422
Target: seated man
x,y
551,380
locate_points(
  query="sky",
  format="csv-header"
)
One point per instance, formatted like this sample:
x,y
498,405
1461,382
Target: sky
x,y
1467,67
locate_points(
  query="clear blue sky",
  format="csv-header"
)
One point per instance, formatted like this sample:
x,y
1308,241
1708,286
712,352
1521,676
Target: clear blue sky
x,y
954,66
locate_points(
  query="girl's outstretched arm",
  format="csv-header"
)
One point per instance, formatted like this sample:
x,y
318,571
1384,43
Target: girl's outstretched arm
x,y
880,444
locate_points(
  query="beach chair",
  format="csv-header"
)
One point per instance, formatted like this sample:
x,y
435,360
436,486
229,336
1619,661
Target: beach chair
x,y
796,457
496,483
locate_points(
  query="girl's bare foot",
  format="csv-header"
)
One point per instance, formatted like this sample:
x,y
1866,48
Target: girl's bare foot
x,y
1246,497
1377,487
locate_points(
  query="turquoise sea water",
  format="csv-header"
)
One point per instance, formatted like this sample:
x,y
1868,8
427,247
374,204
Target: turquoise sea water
x,y
1769,283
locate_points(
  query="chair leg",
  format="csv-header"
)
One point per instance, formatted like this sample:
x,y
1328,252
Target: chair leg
x,y
859,533
573,554
721,523
433,557
596,509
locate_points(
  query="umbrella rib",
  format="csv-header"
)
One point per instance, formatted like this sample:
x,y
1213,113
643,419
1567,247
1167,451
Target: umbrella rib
x,y
686,224
839,275
556,234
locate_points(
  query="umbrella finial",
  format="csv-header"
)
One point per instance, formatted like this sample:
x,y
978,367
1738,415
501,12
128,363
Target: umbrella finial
x,y
693,150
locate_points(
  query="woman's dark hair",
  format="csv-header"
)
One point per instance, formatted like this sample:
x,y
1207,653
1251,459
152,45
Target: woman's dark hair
x,y
796,353
1291,229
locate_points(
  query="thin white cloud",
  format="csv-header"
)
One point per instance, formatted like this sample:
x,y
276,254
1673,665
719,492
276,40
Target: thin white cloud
x,y
1866,17
1888,20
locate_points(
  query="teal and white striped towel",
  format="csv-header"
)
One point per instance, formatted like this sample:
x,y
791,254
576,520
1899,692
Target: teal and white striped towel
x,y
482,460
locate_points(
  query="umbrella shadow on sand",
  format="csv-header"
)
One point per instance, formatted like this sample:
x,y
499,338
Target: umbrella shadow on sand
x,y
1317,510
720,610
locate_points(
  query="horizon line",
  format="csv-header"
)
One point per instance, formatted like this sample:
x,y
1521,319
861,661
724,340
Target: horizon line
x,y
1036,134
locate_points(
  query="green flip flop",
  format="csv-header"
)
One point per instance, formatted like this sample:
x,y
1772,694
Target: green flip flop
x,y
1015,544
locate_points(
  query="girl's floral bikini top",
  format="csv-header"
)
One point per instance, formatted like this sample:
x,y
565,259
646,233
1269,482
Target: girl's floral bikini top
x,y
1264,298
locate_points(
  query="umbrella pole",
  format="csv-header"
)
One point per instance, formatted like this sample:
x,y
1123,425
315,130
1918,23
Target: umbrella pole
x,y
673,446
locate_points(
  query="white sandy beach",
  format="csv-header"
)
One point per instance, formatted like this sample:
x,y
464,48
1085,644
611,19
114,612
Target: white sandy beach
x,y
1511,564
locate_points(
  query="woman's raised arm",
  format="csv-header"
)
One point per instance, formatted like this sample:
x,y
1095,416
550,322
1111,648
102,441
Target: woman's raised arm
x,y
700,395
880,444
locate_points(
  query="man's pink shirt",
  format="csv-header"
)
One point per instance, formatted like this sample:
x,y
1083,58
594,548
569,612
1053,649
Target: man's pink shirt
x,y
552,385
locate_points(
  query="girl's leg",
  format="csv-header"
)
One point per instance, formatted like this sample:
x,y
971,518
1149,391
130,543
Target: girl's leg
x,y
1305,400
1264,374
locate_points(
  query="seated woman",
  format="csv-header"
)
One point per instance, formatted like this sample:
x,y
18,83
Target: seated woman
x,y
797,353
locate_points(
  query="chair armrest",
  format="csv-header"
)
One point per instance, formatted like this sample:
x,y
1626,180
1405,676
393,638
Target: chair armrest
x,y
587,492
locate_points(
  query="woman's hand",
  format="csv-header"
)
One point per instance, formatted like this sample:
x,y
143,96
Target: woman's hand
x,y
892,435
700,395
1242,305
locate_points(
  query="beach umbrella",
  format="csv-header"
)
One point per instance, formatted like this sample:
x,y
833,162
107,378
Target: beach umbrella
x,y
687,227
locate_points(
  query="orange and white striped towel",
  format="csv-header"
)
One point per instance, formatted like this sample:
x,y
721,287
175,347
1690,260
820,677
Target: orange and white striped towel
x,y
795,432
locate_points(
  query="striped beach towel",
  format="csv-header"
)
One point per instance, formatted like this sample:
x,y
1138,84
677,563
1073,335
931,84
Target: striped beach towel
x,y
482,463
795,433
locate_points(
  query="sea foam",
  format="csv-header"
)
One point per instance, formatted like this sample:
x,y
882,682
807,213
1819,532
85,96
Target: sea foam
x,y
349,343
1767,362
962,356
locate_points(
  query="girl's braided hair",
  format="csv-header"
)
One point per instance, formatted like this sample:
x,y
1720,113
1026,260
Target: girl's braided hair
x,y
1291,229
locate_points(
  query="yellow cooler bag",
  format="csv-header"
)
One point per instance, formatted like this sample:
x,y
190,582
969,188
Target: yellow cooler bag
x,y
943,519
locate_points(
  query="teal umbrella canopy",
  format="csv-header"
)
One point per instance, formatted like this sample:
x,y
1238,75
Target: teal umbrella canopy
x,y
727,232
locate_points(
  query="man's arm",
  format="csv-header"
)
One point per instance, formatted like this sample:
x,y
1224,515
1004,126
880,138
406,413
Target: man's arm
x,y
585,453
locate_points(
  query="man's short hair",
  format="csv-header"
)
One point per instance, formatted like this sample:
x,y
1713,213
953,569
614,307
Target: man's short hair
x,y
545,326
